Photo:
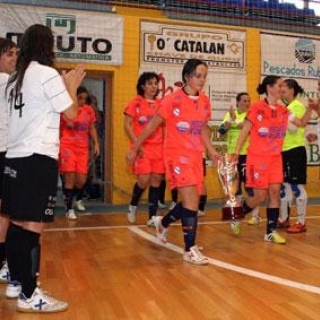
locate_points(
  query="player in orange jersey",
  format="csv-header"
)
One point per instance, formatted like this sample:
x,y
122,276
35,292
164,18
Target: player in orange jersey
x,y
185,113
74,152
266,123
149,165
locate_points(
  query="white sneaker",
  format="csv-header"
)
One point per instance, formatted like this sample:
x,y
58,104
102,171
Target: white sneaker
x,y
274,237
71,215
195,256
80,205
161,232
236,227
161,205
172,205
40,302
4,273
201,213
132,214
150,222
13,289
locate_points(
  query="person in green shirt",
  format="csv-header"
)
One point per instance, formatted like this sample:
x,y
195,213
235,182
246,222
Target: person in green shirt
x,y
231,126
294,158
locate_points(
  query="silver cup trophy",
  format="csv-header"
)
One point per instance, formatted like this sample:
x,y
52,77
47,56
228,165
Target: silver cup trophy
x,y
228,176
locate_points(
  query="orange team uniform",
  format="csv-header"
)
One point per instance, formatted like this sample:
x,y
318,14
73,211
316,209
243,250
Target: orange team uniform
x,y
151,159
74,141
183,146
264,160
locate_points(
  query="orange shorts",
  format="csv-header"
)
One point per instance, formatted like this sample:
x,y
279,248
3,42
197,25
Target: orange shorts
x,y
151,160
184,171
73,159
263,171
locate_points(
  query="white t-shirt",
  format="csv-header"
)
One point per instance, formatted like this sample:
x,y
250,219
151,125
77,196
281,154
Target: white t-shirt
x,y
34,114
3,112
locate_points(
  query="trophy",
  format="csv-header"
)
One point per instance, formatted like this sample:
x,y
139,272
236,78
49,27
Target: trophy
x,y
228,176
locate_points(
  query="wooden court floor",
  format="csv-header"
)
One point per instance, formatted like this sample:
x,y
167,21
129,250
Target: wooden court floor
x,y
107,269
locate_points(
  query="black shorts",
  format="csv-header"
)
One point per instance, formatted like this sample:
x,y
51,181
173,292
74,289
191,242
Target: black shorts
x,y
2,159
241,166
204,164
30,188
295,165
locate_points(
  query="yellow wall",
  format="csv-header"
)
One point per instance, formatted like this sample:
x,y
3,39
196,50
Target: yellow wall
x,y
124,82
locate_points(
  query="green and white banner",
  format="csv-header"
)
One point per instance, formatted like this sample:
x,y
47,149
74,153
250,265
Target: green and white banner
x,y
79,36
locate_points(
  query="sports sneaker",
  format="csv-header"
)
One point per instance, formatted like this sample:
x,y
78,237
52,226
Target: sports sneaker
x,y
71,215
195,256
132,214
297,228
283,224
161,205
236,227
201,213
13,289
274,237
40,302
161,231
172,205
253,221
4,273
80,205
150,222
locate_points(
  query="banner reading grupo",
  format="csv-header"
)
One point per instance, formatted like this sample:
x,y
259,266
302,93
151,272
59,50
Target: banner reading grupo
x,y
174,44
297,58
164,48
79,36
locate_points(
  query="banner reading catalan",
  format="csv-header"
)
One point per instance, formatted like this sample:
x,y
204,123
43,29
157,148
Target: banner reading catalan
x,y
164,48
221,49
296,58
78,36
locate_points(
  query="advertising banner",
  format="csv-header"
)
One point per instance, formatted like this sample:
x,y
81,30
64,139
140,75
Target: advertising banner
x,y
79,36
296,58
164,48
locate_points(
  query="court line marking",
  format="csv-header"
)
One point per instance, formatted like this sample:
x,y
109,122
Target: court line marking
x,y
231,267
218,263
125,226
144,225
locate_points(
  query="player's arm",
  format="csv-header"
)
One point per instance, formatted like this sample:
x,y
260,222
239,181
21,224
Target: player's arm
x,y
94,136
242,137
227,121
72,80
153,124
301,122
207,143
128,127
314,104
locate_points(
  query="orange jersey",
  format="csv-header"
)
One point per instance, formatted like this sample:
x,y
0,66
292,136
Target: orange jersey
x,y
268,129
142,111
185,117
76,132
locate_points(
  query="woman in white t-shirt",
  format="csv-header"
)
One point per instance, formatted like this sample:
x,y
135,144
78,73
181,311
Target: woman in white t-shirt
x,y
8,59
37,94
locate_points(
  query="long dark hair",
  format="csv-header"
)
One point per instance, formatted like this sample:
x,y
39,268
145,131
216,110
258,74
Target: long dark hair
x,y
190,67
267,81
143,79
293,84
6,45
36,44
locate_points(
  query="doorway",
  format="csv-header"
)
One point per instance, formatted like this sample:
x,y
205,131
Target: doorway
x,y
99,85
